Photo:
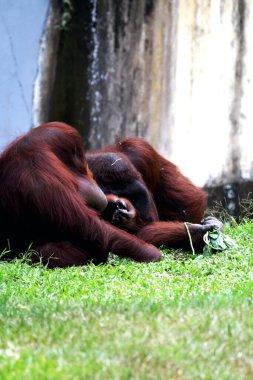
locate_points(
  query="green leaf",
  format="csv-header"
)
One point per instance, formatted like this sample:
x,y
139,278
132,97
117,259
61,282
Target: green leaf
x,y
217,241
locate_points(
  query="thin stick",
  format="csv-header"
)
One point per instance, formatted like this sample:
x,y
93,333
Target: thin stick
x,y
189,235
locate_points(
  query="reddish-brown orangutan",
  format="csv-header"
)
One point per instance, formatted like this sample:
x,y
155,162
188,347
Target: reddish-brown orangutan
x,y
148,196
49,198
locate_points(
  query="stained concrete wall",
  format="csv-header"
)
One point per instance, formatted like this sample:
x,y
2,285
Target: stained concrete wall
x,y
177,72
211,112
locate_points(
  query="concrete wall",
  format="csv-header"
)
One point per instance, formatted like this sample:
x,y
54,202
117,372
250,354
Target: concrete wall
x,y
177,72
21,29
211,117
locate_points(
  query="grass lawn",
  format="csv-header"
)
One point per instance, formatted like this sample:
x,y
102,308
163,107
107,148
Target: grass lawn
x,y
182,318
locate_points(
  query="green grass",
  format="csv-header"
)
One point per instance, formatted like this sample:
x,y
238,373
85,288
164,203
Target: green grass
x,y
182,318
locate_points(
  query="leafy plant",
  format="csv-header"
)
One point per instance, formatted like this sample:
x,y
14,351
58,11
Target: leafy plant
x,y
67,10
215,241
